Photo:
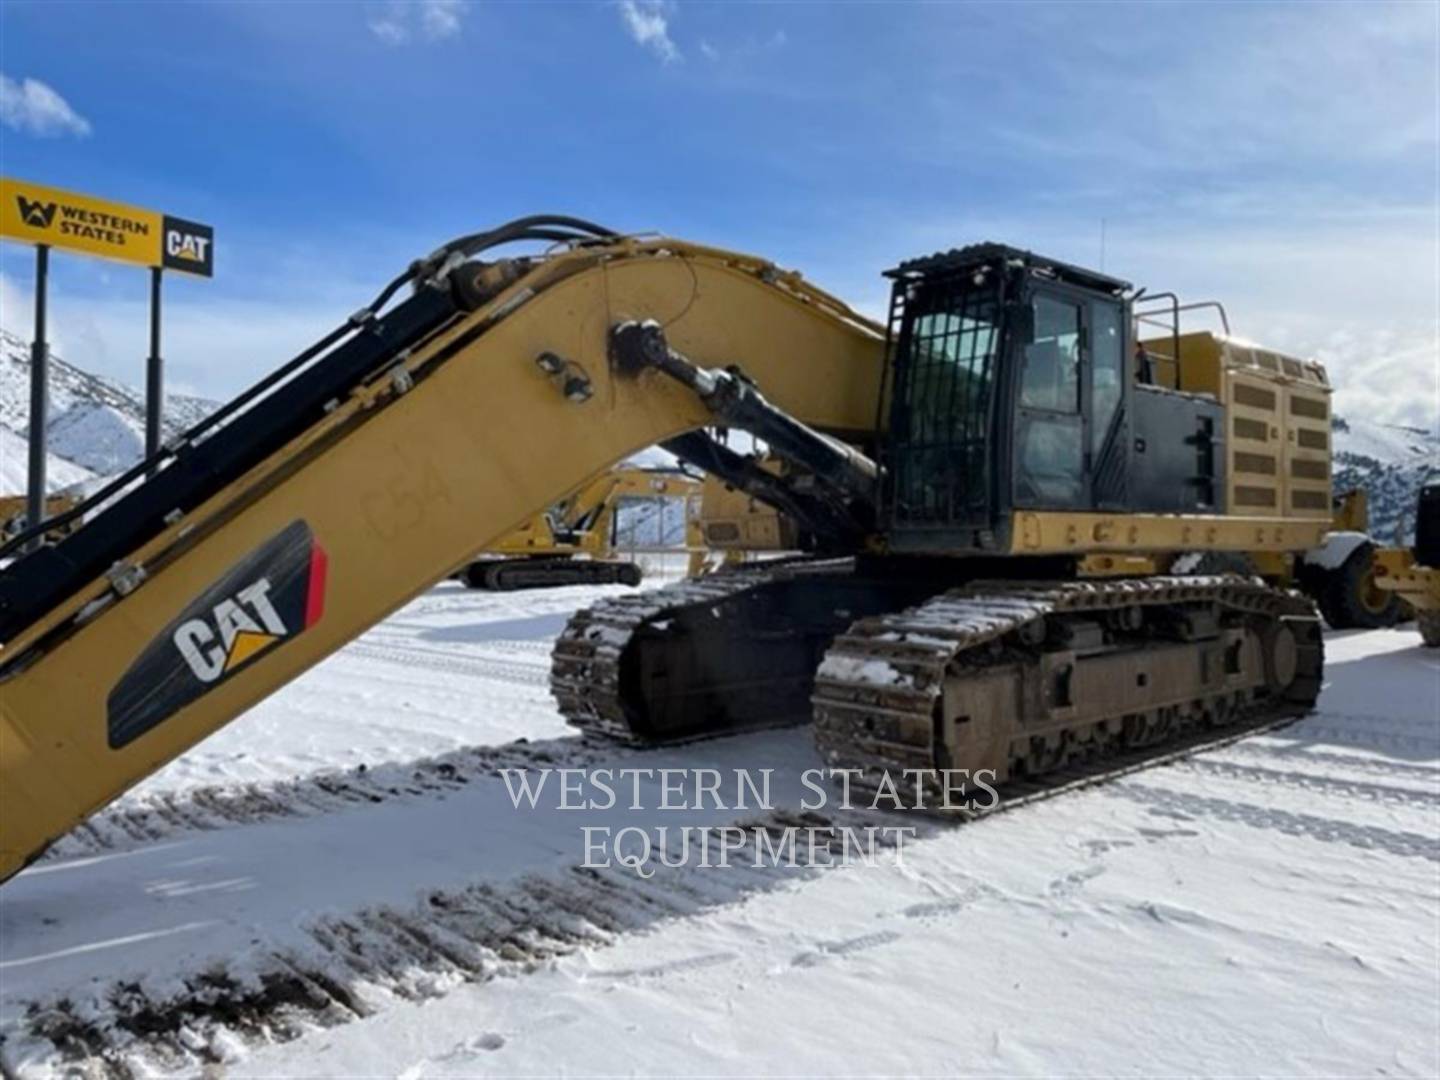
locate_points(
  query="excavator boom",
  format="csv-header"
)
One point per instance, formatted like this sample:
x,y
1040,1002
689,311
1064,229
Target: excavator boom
x,y
429,431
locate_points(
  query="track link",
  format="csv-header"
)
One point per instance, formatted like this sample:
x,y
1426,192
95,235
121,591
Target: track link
x,y
878,694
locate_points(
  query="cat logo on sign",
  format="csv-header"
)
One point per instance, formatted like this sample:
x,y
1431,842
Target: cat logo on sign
x,y
189,247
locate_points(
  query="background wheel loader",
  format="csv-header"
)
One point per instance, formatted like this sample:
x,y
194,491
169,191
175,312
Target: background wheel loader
x,y
1413,574
994,489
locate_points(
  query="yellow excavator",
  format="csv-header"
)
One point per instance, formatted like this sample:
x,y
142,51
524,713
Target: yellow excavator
x,y
572,542
978,480
1413,574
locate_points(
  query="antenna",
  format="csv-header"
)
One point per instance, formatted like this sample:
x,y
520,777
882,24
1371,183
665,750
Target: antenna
x,y
1102,245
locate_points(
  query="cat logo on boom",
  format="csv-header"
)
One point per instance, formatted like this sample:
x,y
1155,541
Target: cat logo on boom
x,y
262,602
239,628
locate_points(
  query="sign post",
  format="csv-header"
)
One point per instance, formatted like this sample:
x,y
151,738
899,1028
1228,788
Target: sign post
x,y
50,217
154,371
39,396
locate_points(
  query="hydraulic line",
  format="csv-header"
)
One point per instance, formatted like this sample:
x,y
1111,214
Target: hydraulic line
x,y
547,228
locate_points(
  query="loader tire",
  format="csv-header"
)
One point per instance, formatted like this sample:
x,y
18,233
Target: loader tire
x,y
1349,599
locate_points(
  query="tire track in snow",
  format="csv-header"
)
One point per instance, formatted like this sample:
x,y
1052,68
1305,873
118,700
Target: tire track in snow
x,y
1302,755
353,963
1344,787
1370,732
146,819
1408,845
479,667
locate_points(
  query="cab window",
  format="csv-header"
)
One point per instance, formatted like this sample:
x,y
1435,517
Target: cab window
x,y
1052,359
1107,370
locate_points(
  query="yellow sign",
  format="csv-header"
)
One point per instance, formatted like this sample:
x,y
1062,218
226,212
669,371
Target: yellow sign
x,y
34,214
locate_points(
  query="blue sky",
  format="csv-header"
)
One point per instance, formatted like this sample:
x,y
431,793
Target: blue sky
x,y
1281,157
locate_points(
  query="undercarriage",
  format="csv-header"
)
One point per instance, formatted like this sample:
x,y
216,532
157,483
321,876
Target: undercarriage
x,y
920,691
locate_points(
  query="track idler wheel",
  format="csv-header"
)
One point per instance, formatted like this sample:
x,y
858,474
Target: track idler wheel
x,y
1282,654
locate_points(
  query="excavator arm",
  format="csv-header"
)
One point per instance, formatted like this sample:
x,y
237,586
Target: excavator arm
x,y
468,409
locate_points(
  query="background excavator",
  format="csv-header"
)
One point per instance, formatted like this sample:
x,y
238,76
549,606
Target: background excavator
x,y
995,490
573,541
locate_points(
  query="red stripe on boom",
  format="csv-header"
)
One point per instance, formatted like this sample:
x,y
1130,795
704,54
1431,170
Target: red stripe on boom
x,y
315,594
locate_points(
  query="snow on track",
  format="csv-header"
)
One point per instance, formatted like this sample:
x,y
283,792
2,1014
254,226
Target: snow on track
x,y
1268,906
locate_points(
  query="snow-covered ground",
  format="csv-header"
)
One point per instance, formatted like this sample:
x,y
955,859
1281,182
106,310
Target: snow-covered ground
x,y
339,884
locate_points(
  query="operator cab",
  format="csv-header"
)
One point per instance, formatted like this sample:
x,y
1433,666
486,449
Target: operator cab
x,y
1008,389
1013,384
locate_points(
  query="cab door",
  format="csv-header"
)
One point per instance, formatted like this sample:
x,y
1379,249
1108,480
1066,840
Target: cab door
x,y
1050,445
1070,432
1108,443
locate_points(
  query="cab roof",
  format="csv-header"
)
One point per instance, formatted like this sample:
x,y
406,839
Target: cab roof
x,y
987,253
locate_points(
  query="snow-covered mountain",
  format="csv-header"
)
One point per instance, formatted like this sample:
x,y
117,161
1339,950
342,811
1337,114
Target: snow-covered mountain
x,y
15,463
69,386
96,426
1391,463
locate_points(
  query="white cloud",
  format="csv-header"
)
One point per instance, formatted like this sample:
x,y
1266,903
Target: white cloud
x,y
441,18
648,23
745,49
34,107
389,30
402,21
